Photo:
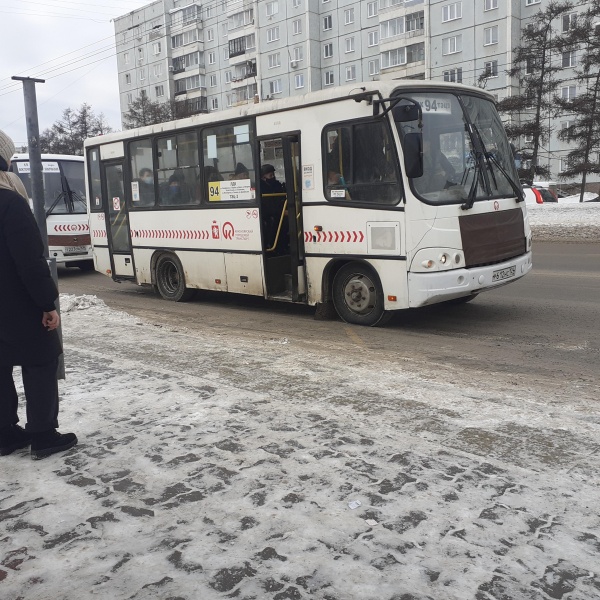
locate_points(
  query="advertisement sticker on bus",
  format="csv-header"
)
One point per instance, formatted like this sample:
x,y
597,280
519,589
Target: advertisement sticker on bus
x,y
135,191
308,174
434,106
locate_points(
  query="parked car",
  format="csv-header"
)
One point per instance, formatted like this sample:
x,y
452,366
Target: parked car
x,y
547,195
532,195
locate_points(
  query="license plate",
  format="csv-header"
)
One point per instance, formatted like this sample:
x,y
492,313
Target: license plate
x,y
75,250
501,274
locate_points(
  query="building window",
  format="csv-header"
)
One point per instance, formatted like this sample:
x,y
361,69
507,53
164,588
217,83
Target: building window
x,y
156,48
126,58
565,124
129,98
491,68
272,8
490,4
181,39
297,3
415,21
569,59
349,16
349,44
391,28
214,104
327,23
402,56
569,21
374,67
275,87
212,58
373,38
297,26
212,81
451,12
490,35
327,50
299,81
273,34
453,75
210,35
142,74
298,53
329,80
128,78
530,2
372,9
158,70
274,60
568,92
241,19
227,76
160,91
140,55
452,45
350,73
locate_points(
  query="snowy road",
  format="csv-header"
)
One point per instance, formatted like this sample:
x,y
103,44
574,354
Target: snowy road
x,y
213,467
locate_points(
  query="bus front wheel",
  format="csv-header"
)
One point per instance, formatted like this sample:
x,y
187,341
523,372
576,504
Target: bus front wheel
x,y
358,295
170,279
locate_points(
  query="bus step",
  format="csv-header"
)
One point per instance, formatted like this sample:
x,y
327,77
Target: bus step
x,y
285,296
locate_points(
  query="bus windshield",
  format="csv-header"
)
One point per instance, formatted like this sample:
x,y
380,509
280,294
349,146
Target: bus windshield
x,y
466,154
64,185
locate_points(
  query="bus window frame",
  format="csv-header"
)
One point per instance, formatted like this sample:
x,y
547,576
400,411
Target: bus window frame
x,y
92,207
398,167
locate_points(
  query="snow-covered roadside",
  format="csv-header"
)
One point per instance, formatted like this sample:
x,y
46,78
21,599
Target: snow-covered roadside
x,y
212,467
565,222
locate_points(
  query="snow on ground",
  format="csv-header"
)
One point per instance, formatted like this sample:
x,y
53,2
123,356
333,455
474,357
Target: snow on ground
x,y
565,222
212,467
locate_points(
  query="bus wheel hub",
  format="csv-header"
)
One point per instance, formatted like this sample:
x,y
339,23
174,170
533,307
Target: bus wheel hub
x,y
360,293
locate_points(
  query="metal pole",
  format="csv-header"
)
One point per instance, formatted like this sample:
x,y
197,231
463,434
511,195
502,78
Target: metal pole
x,y
37,183
35,155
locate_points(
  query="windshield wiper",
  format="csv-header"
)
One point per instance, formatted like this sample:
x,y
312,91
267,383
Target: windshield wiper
x,y
516,189
60,197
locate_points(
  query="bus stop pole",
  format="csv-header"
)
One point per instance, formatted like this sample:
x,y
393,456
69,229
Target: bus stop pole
x,y
37,183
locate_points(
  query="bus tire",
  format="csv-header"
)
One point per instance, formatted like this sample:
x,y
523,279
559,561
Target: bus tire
x,y
358,295
170,279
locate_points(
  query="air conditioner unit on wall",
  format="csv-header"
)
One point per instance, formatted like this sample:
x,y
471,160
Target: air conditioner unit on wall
x,y
294,64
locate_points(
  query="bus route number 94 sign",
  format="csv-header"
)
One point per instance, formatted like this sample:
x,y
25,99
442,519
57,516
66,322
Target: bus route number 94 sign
x,y
434,105
239,189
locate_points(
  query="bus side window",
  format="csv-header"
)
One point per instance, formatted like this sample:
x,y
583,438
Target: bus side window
x,y
178,169
229,157
142,174
95,191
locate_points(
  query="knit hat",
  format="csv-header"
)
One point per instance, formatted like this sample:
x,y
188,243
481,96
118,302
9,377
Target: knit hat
x,y
7,147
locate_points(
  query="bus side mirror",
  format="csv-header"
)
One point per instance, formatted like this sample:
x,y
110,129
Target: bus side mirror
x,y
412,145
405,112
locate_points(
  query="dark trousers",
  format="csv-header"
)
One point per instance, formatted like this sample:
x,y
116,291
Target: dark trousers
x,y
41,394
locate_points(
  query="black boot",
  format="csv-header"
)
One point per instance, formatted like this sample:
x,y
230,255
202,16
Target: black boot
x,y
49,442
13,438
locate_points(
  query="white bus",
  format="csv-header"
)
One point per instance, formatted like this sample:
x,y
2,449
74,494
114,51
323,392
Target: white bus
x,y
396,194
64,200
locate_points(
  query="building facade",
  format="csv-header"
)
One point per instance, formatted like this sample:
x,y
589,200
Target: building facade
x,y
219,53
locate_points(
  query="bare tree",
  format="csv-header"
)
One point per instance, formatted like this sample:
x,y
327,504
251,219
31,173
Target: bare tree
x,y
66,136
143,111
535,70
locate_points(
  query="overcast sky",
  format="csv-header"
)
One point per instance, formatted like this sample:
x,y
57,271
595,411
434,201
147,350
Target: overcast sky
x,y
68,43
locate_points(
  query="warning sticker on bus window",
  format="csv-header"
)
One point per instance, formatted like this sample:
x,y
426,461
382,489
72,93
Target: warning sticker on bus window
x,y
434,105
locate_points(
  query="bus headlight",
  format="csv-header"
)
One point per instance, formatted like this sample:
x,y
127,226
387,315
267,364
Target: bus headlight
x,y
437,259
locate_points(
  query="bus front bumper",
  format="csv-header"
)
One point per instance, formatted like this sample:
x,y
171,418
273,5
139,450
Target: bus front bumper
x,y
431,288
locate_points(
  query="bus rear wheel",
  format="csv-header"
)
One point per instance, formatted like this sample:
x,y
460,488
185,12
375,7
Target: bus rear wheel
x,y
170,279
358,295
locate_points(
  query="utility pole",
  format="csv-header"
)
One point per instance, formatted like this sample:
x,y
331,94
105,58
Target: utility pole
x,y
35,155
37,182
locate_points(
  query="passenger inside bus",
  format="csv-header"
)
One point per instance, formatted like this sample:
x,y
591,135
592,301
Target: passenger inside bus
x,y
241,172
273,199
176,190
146,187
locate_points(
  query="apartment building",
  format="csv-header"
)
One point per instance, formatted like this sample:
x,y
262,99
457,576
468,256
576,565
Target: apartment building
x,y
219,53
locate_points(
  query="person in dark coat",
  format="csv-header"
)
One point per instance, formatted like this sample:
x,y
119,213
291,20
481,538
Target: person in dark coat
x,y
28,329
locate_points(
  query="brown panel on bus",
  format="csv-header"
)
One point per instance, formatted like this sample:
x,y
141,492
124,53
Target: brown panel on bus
x,y
69,240
492,237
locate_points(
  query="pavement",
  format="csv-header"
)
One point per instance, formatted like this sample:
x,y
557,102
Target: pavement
x,y
216,467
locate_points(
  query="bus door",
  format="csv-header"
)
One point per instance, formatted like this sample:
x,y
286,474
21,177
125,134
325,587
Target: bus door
x,y
281,218
117,220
